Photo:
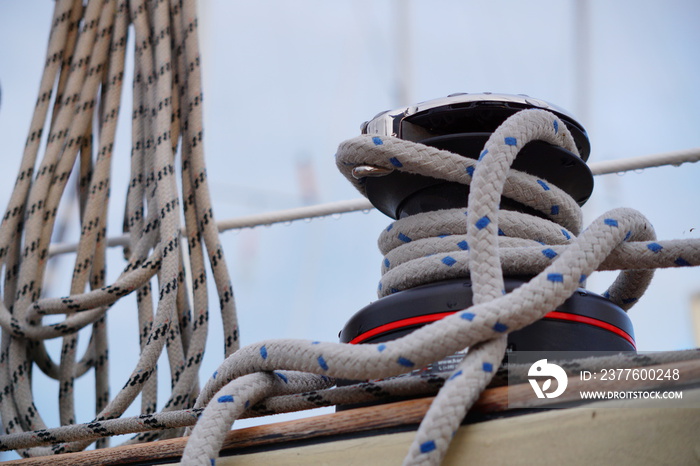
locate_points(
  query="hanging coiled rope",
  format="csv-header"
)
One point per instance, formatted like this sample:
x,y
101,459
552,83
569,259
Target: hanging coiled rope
x,y
84,70
434,246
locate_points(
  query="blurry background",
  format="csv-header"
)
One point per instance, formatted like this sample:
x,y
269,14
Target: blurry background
x,y
286,81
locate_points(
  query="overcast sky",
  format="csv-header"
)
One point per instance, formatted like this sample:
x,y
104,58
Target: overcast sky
x,y
287,81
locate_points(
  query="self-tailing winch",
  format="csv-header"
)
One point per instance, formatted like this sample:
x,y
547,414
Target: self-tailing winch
x,y
462,123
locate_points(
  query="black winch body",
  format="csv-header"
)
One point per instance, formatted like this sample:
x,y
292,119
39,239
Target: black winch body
x,y
462,123
584,322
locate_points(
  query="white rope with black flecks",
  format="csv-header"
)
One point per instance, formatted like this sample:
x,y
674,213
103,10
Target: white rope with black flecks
x,y
84,70
445,244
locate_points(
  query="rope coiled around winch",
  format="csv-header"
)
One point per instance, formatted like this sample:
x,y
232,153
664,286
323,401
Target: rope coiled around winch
x,y
482,327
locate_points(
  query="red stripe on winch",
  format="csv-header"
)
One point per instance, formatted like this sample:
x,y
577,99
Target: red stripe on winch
x,y
556,315
399,324
428,318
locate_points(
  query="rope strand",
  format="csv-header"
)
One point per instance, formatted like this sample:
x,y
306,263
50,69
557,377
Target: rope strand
x,y
85,66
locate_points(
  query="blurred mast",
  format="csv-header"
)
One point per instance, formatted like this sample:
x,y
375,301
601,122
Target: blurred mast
x,y
403,49
695,317
582,61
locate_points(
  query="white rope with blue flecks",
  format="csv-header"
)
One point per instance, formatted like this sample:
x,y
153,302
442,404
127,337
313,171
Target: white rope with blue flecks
x,y
483,327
